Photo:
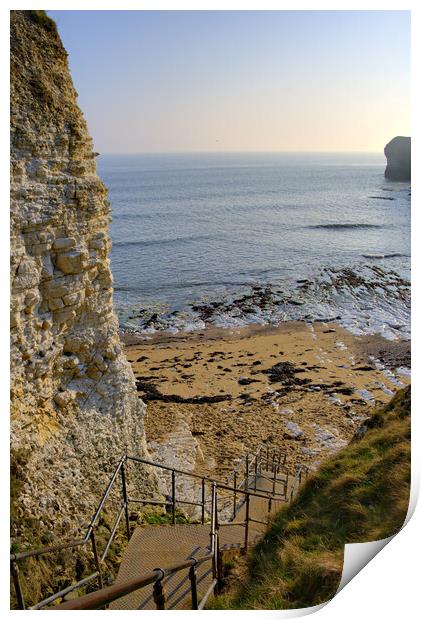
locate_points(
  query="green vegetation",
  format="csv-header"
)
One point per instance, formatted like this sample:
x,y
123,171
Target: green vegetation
x,y
161,517
41,18
40,577
33,573
360,494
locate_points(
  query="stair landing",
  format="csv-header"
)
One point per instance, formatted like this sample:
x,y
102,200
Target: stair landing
x,y
161,546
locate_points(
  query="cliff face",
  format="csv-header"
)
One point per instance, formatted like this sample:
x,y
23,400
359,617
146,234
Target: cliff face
x,y
398,154
73,397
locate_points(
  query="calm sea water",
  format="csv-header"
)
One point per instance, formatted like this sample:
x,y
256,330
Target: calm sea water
x,y
231,239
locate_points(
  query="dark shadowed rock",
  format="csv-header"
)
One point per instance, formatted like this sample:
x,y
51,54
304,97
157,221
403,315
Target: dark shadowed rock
x,y
398,155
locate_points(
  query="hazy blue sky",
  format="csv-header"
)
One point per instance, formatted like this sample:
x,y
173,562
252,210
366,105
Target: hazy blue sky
x,y
240,80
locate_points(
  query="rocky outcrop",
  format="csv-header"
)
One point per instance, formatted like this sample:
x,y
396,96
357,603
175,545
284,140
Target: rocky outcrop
x,y
74,403
398,155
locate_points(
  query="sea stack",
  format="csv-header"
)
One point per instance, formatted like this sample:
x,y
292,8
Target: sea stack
x,y
74,405
398,155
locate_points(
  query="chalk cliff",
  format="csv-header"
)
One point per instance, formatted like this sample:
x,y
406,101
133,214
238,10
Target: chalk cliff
x,y
398,154
74,404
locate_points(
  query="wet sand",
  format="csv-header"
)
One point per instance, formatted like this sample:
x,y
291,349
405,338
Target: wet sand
x,y
305,388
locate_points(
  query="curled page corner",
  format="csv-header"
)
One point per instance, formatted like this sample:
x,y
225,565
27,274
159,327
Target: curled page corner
x,y
280,613
358,555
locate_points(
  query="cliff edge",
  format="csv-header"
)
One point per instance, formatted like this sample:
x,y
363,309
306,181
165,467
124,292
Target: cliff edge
x,y
74,405
398,155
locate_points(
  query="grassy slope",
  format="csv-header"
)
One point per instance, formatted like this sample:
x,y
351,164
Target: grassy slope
x,y
360,494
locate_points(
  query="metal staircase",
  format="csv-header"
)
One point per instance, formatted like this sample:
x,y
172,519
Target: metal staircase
x,y
230,514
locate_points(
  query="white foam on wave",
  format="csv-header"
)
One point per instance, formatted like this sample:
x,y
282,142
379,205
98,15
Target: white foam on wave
x,y
363,299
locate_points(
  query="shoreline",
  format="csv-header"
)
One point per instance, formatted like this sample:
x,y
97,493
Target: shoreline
x,y
363,298
304,387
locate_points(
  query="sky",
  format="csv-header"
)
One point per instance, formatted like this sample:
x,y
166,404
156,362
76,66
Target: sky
x,y
179,81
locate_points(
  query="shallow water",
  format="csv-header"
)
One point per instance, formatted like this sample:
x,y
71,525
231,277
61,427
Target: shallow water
x,y
231,239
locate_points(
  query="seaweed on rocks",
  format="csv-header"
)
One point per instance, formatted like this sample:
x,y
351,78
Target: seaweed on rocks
x,y
151,393
281,372
285,372
247,381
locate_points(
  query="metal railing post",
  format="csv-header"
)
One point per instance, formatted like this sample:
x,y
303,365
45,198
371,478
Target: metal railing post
x,y
246,483
216,510
96,559
212,531
256,470
126,503
216,562
219,569
203,506
14,569
235,495
193,585
275,459
173,495
159,592
246,533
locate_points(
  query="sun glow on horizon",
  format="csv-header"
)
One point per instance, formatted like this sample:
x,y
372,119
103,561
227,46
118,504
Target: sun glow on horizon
x,y
240,81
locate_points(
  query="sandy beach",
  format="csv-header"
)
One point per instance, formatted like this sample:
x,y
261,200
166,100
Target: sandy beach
x,y
304,387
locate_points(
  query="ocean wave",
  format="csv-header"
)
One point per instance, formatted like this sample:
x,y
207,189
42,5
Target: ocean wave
x,y
394,255
344,226
365,299
151,242
184,285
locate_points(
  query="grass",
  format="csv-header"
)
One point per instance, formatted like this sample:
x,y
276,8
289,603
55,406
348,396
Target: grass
x,y
360,494
163,518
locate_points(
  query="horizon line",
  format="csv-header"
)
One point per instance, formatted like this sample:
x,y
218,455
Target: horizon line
x,y
240,152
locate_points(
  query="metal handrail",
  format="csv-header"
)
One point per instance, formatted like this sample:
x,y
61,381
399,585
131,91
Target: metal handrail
x,y
251,457
97,599
138,459
104,497
251,493
168,581
183,472
113,531
207,594
297,479
78,542
65,591
15,557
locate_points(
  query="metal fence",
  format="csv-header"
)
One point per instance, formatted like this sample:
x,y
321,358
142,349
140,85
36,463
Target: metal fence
x,y
220,503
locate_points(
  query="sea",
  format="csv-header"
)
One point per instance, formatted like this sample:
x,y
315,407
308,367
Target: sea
x,y
233,239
